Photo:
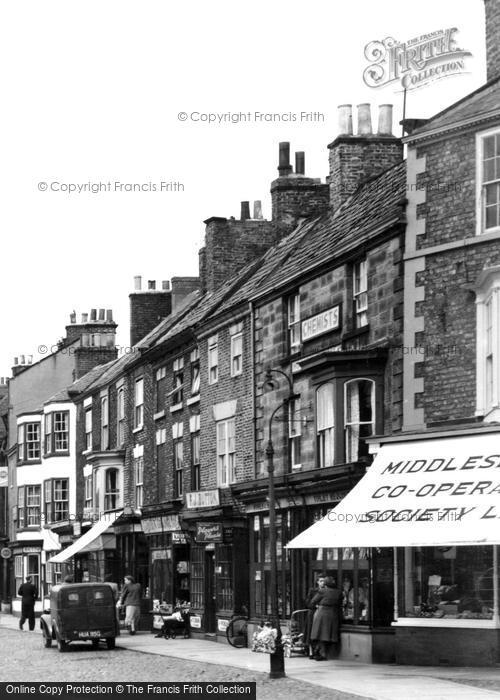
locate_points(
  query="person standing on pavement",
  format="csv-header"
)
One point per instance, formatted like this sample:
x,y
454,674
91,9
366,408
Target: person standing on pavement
x,y
325,629
310,615
28,594
131,598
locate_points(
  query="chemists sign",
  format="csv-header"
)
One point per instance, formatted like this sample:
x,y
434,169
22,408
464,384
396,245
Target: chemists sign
x,y
442,491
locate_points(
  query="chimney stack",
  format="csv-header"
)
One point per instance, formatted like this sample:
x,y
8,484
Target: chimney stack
x,y
148,307
245,211
93,315
284,167
300,163
356,158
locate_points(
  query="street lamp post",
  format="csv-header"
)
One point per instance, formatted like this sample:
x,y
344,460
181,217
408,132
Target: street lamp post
x,y
277,659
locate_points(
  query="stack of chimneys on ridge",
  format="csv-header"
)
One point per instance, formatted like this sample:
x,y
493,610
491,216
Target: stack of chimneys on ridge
x,y
21,362
4,381
95,316
163,285
365,120
358,157
257,211
284,167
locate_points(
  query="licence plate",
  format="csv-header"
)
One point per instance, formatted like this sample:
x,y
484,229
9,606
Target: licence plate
x,y
92,634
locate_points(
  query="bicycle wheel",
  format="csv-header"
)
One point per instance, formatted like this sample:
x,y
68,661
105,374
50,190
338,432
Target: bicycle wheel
x,y
236,632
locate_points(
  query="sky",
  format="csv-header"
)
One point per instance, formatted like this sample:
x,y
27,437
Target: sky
x,y
106,95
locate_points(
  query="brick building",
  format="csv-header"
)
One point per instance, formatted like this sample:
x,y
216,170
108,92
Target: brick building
x,y
42,473
431,492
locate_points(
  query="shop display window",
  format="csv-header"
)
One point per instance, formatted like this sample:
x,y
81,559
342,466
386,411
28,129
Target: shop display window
x,y
446,582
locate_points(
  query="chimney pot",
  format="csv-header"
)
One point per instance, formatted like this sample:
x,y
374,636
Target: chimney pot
x,y
385,120
72,317
165,285
16,361
345,119
151,284
300,162
257,209
109,314
93,314
85,318
284,167
102,314
245,211
138,283
23,359
30,359
364,119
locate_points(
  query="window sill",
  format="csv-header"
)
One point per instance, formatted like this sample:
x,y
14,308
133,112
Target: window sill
x,y
27,462
138,429
49,455
237,374
356,332
158,415
87,452
445,622
176,407
193,400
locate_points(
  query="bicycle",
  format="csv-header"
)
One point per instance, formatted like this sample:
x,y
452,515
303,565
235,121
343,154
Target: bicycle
x,y
236,631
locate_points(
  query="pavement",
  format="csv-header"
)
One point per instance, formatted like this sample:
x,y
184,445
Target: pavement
x,y
374,681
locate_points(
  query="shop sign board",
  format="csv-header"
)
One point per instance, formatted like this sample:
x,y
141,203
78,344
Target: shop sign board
x,y
202,499
222,625
195,622
158,554
4,476
209,532
324,322
309,499
160,523
6,552
179,538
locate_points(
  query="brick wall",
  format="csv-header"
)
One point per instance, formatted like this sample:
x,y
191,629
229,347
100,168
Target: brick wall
x,y
86,358
146,311
229,245
492,38
227,388
355,159
294,197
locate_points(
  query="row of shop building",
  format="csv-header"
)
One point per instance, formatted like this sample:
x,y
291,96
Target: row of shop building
x,y
362,319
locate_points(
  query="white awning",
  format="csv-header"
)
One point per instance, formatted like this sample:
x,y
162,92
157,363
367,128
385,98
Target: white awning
x,y
85,541
442,491
50,540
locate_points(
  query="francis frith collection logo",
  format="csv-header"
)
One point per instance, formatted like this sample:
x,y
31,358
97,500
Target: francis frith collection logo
x,y
416,62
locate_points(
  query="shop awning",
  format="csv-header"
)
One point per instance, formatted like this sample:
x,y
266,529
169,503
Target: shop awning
x,y
84,542
50,540
442,491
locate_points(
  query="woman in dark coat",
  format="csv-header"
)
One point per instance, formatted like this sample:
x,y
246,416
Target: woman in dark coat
x,y
308,624
326,621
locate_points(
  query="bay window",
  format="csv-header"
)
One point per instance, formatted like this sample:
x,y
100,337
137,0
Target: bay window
x,y
359,416
112,491
56,433
56,500
28,442
28,506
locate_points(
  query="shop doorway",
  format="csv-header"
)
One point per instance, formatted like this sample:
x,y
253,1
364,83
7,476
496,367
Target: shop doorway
x,y
210,591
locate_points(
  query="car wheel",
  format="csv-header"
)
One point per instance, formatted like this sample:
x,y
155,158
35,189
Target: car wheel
x,y
111,642
62,645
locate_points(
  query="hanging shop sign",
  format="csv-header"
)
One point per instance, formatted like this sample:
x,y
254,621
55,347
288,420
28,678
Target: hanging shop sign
x,y
203,499
4,476
159,554
179,538
209,532
160,523
324,322
6,553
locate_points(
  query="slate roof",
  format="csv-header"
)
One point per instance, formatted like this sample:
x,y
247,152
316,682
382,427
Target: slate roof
x,y
475,105
376,205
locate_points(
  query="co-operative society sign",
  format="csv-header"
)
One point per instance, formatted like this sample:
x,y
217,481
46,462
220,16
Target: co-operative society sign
x,y
423,492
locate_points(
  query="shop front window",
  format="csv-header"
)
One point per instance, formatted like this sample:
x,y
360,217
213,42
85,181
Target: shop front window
x,y
446,582
224,580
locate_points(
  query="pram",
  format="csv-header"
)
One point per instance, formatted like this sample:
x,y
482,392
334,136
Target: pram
x,y
174,624
294,642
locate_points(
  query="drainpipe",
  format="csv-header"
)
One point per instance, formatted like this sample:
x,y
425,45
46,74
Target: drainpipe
x,y
254,417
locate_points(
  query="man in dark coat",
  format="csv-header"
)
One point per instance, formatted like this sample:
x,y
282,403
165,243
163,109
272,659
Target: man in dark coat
x,y
28,594
325,629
